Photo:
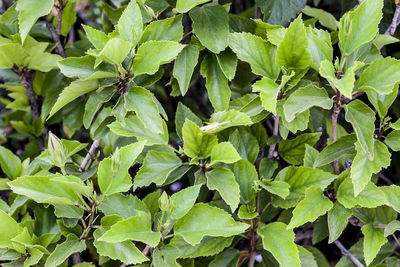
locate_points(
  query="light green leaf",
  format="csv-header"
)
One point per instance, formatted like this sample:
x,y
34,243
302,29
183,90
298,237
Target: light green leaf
x,y
391,192
276,236
183,113
381,76
113,173
124,251
9,229
278,188
54,189
299,179
71,92
257,52
395,125
98,38
371,197
245,175
10,54
182,201
337,221
211,26
201,221
393,140
83,68
306,257
228,62
373,241
133,126
224,119
29,12
115,51
362,167
245,144
183,6
314,205
292,52
229,257
293,150
224,152
130,24
392,227
362,118
44,62
64,250
10,164
156,168
223,180
217,86
137,228
346,83
152,54
141,101
268,93
382,103
319,46
196,142
360,26
94,102
124,206
169,29
305,98
344,146
184,66
325,18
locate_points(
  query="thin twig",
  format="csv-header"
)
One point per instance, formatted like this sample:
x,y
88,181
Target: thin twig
x,y
90,154
146,250
26,79
56,33
335,115
347,253
395,21
275,133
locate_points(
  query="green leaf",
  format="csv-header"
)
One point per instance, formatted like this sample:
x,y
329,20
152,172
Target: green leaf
x,y
197,143
325,18
71,92
346,83
211,26
113,173
319,46
156,168
130,24
373,241
360,26
382,103
223,180
133,126
293,150
371,197
184,66
217,86
228,62
83,68
10,164
183,113
124,251
183,6
362,118
393,140
305,98
245,175
201,221
344,146
224,152
229,257
182,201
306,257
299,179
362,167
53,189
278,188
292,52
137,228
245,144
392,227
93,104
169,29
125,206
13,229
314,205
338,218
64,250
141,101
98,38
115,51
152,54
381,76
276,236
395,125
257,52
269,91
224,119
280,12
29,12
391,193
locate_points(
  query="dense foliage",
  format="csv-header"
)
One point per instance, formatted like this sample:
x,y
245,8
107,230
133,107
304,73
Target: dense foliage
x,y
198,133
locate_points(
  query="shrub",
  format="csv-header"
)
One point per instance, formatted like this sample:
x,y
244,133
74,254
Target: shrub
x,y
189,133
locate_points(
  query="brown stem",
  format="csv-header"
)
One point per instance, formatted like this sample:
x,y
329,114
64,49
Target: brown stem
x,y
26,79
146,250
395,21
275,133
90,223
90,154
335,115
56,33
347,253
